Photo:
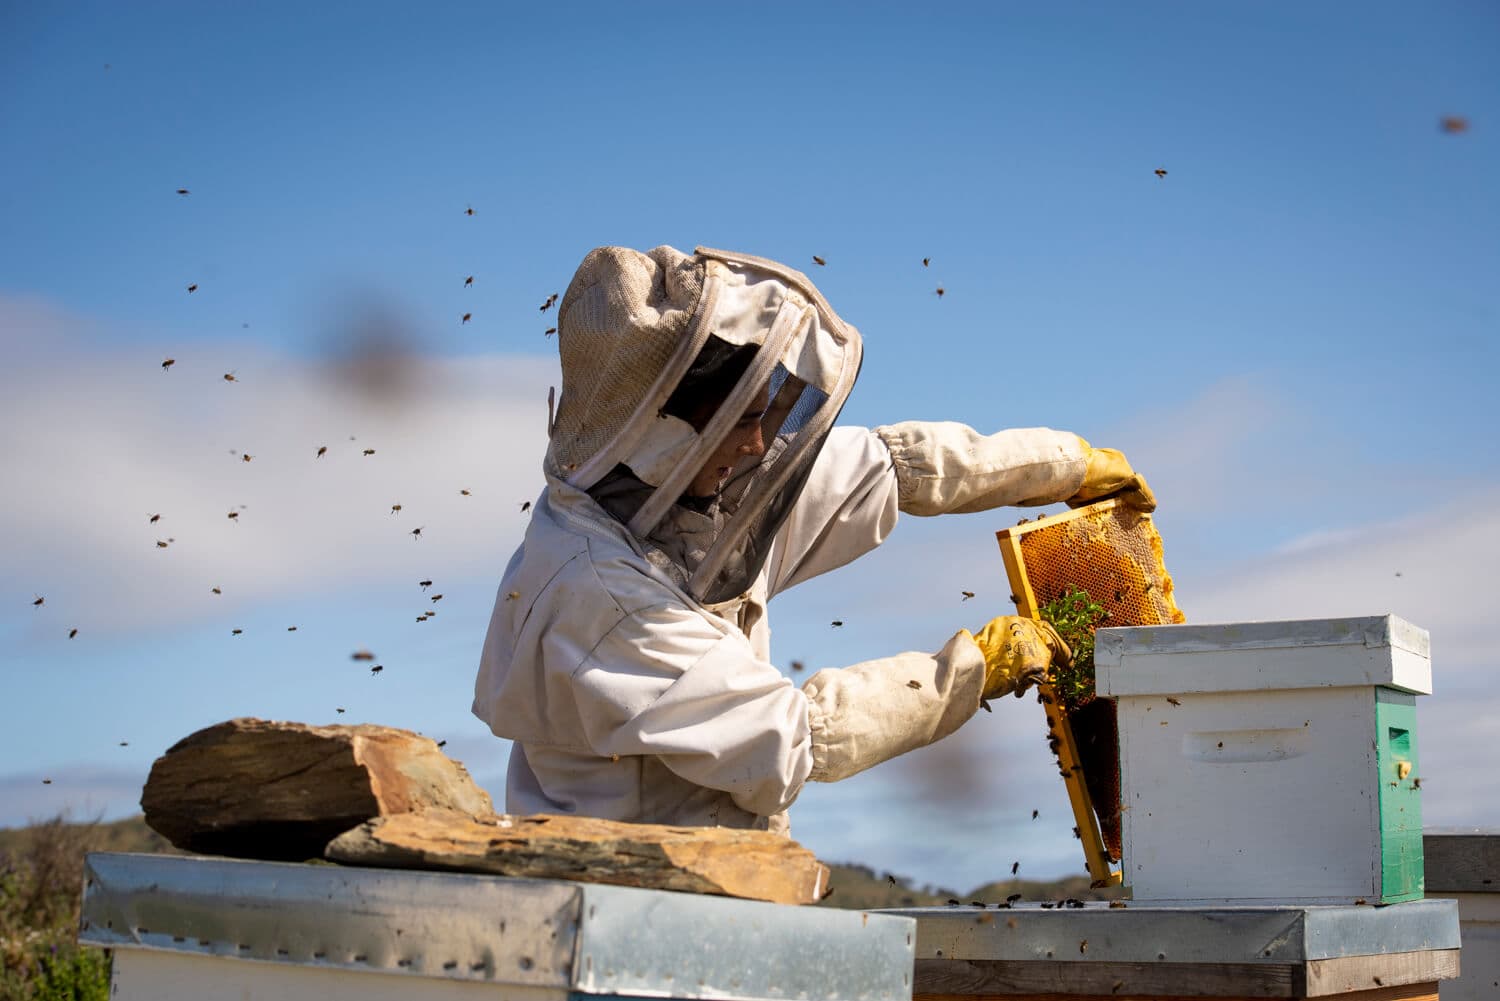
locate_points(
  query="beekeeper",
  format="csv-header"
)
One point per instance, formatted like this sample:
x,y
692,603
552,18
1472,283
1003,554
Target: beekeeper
x,y
694,472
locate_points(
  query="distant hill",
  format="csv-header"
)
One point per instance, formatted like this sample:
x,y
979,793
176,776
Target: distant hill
x,y
855,886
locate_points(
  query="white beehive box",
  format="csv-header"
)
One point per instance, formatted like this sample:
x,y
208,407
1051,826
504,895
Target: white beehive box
x,y
1269,760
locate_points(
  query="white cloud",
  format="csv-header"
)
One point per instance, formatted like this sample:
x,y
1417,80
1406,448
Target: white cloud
x,y
95,439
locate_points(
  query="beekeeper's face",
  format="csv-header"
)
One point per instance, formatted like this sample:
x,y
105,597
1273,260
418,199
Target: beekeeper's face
x,y
743,441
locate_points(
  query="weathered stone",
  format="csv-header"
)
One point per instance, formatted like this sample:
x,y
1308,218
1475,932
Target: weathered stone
x,y
259,789
756,865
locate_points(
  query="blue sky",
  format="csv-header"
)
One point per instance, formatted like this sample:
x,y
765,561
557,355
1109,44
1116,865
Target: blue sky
x,y
1292,334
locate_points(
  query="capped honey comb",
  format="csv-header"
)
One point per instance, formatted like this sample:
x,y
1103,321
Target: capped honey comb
x,y
1115,554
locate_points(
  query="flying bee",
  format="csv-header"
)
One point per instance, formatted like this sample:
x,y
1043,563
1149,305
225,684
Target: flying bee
x,y
914,684
512,595
551,299
464,492
1035,814
1172,701
442,743
160,544
424,584
74,632
1083,945
549,331
469,210
940,291
1015,867
466,318
46,782
193,287
235,632
361,655
890,879
339,710
233,516
468,281
322,451
926,261
1159,172
395,509
246,457
967,595
797,665
168,363
369,451
377,669
1115,989
818,260
183,191
1453,124
836,623
124,743
436,597
229,377
291,629
525,506
416,533
153,519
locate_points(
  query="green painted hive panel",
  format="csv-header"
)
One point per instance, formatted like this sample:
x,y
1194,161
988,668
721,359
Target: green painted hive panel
x,y
1401,876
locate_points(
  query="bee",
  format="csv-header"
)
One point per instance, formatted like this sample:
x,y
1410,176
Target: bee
x,y
1015,867
1012,898
416,533
463,492
614,757
1149,585
836,623
422,618
468,281
1398,573
1083,945
1035,814
1117,904
339,710
1014,600
1358,901
124,743
1172,701
551,299
1378,981
1159,172
977,903
322,451
229,377
246,457
469,210
952,902
549,331
442,743
361,655
215,590
436,597
160,544
1118,983
890,879
193,287
235,632
926,261
967,595
377,669
424,584
153,519
291,629
466,318
46,782
525,506
369,451
797,665
233,516
183,191
818,260
1415,783
1453,124
513,596
39,602
395,509
940,291
74,632
168,363
1119,594
914,684
1077,835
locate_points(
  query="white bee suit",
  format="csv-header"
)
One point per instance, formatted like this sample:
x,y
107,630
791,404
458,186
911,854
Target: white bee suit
x,y
631,695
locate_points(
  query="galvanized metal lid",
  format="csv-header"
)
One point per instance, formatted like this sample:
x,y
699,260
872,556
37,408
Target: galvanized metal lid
x,y
580,937
1383,650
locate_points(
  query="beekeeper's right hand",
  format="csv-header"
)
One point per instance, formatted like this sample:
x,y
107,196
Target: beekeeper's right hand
x,y
1018,653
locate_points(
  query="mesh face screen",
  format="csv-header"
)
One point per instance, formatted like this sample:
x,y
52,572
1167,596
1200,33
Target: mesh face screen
x,y
1115,555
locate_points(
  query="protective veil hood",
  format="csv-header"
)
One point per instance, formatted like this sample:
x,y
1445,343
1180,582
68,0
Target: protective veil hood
x,y
633,328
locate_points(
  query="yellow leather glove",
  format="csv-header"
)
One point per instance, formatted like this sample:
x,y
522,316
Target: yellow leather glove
x,y
1108,474
1018,653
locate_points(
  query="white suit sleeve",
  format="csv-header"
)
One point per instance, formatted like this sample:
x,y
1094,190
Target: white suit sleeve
x,y
665,682
949,468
